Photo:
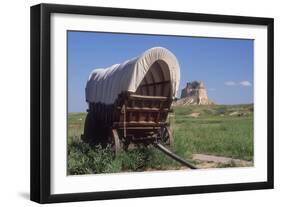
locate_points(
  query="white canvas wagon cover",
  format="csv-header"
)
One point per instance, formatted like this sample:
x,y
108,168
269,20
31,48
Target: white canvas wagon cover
x,y
104,85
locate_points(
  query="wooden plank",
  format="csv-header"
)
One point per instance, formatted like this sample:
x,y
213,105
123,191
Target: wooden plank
x,y
141,128
159,112
146,109
156,98
139,124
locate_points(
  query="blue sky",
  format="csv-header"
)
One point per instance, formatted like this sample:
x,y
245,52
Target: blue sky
x,y
224,65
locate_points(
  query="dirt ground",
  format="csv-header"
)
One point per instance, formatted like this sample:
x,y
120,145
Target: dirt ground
x,y
211,161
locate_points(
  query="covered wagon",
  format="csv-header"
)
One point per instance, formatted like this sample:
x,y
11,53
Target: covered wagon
x,y
130,102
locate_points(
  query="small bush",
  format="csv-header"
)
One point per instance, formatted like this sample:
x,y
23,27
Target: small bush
x,y
86,159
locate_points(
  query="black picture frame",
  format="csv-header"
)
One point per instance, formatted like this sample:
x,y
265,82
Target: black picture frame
x,y
41,96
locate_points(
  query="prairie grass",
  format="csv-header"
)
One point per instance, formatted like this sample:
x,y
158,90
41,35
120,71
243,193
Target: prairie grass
x,y
218,130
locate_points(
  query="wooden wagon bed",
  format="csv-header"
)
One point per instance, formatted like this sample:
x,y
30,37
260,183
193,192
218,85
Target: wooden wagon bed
x,y
132,119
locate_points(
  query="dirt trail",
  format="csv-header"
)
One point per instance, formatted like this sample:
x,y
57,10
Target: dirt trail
x,y
211,161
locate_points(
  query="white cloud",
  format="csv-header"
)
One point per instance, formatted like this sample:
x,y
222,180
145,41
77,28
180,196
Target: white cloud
x,y
241,83
230,83
245,83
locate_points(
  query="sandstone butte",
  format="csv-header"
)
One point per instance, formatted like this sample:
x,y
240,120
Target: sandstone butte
x,y
194,93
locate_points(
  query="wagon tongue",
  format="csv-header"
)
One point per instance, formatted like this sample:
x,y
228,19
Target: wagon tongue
x,y
173,155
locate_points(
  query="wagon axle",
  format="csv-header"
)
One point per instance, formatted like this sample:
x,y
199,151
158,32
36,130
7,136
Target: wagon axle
x,y
173,155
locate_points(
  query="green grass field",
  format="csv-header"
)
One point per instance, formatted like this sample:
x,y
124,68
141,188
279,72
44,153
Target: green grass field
x,y
214,130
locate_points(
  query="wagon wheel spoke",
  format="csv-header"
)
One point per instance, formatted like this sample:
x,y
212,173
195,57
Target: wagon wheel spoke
x,y
166,136
115,142
171,138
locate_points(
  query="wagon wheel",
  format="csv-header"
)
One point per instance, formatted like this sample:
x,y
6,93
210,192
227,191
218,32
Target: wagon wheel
x,y
166,136
115,142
